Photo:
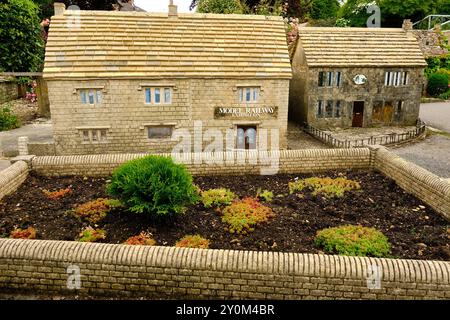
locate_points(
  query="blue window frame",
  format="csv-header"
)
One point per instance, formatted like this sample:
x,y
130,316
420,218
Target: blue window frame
x,y
148,95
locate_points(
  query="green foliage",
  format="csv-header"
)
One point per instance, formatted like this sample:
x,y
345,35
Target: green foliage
x,y
353,240
21,44
220,6
191,241
264,195
242,216
90,234
8,120
153,185
324,9
217,197
342,23
96,210
445,95
327,187
437,84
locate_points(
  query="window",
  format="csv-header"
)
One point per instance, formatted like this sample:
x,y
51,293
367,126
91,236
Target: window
x,y
94,135
159,132
156,95
246,137
329,109
337,109
396,78
399,111
330,78
320,109
91,96
248,94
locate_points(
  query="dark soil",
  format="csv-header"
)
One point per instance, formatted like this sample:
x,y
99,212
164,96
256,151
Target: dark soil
x,y
414,232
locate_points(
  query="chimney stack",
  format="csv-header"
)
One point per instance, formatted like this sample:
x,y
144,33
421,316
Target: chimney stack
x,y
407,25
59,8
173,10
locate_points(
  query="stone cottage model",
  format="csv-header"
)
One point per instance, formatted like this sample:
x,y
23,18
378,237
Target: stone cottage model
x,y
356,77
126,81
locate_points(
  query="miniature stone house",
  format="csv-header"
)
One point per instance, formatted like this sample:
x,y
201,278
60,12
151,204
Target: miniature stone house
x,y
356,77
133,81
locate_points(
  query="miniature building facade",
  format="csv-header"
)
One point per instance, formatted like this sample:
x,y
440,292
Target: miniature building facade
x,y
127,81
356,77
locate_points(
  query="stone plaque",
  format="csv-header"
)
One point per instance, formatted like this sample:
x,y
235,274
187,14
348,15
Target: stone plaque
x,y
246,113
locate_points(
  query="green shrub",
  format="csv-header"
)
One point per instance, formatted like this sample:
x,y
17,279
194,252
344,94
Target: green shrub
x,y
437,84
220,6
217,197
153,185
445,95
353,240
8,120
265,195
242,216
90,234
327,187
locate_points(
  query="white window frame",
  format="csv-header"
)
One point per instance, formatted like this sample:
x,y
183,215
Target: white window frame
x,y
396,78
162,95
253,91
94,135
96,94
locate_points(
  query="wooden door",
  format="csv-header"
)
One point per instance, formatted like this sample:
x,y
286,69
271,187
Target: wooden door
x,y
358,114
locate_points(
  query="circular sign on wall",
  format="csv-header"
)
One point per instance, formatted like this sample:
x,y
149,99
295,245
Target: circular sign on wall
x,y
360,79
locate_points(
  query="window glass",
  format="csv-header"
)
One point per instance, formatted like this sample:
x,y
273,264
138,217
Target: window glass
x,y
103,135
99,96
320,109
91,97
405,78
337,109
247,94
241,94
159,132
255,94
321,79
329,109
157,95
83,97
167,95
338,78
240,139
85,135
148,95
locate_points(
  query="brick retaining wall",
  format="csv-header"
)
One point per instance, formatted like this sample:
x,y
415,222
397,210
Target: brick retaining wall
x,y
12,177
166,272
290,161
414,179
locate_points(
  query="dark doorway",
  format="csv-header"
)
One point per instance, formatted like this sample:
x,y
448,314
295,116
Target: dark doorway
x,y
246,137
358,114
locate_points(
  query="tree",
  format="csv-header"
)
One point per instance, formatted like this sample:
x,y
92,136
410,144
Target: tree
x,y
393,12
220,6
324,9
46,6
21,44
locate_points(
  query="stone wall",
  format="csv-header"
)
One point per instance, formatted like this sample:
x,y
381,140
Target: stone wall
x,y
374,91
8,90
414,179
34,266
125,117
284,161
431,42
12,177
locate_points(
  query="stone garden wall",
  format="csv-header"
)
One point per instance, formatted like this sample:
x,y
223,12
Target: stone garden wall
x,y
12,177
33,266
8,90
246,162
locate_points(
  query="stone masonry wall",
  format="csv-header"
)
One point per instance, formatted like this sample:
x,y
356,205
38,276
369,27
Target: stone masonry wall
x,y
8,91
12,177
373,90
36,266
125,116
284,161
414,179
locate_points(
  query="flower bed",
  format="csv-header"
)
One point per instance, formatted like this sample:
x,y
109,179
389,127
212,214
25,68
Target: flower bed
x,y
413,228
